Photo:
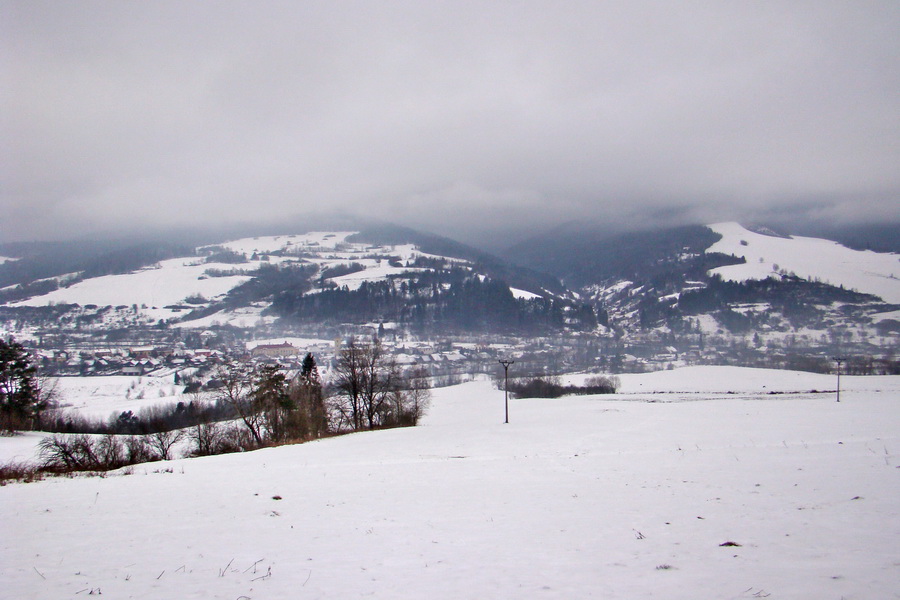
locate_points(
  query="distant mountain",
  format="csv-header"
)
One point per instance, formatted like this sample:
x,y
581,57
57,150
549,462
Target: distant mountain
x,y
879,237
581,256
719,280
723,278
376,273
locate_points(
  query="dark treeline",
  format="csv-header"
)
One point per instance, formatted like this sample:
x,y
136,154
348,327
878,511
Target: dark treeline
x,y
796,299
151,419
218,254
91,259
586,257
789,292
268,281
434,301
523,277
550,387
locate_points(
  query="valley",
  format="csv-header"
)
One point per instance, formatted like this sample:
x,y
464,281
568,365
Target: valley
x,y
775,303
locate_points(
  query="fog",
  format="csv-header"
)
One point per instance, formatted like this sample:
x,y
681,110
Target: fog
x,y
468,119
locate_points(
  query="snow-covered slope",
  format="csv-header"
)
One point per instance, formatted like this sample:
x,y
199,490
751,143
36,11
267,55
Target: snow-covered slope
x,y
101,397
158,290
170,282
707,380
781,497
810,258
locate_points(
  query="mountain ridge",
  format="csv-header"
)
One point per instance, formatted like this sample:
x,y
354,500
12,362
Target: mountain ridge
x,y
686,288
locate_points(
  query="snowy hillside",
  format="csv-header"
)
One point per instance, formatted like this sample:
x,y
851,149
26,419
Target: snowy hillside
x,y
160,291
789,496
101,397
809,258
170,282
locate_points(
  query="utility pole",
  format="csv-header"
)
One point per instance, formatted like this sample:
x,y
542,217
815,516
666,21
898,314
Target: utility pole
x,y
506,364
839,360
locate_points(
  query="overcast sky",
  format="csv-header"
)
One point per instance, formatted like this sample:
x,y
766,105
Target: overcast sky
x,y
450,116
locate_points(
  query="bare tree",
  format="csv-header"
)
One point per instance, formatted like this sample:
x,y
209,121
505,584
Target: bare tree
x,y
365,377
418,393
309,417
207,438
380,380
138,450
270,399
236,390
164,441
348,380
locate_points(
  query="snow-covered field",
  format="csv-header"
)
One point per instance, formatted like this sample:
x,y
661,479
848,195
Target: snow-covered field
x,y
603,497
865,271
316,240
103,396
243,317
169,283
681,384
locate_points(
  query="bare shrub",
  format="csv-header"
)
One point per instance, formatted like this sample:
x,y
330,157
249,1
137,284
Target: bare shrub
x,y
68,453
162,442
63,453
550,387
409,400
19,471
236,439
605,384
206,439
138,450
110,452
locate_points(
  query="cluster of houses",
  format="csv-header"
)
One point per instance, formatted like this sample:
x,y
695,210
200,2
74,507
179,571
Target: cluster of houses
x,y
446,360
165,360
138,360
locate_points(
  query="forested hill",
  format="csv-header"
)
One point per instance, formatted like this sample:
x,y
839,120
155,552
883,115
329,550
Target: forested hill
x,y
737,279
380,273
582,256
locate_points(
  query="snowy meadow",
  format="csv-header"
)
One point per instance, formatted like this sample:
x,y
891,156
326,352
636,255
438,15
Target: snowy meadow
x,y
706,482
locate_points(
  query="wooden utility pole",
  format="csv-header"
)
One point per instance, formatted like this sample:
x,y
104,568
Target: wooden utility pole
x,y
839,360
506,364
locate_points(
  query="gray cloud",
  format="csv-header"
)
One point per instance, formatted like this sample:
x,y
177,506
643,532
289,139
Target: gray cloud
x,y
455,117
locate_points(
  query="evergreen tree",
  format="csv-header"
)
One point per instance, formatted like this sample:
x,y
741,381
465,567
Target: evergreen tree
x,y
20,398
310,399
308,370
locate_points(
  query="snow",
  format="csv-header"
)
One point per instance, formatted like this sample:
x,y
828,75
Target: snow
x,y
865,271
894,315
522,294
21,447
170,283
100,397
313,241
302,344
576,497
717,380
243,317
373,272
